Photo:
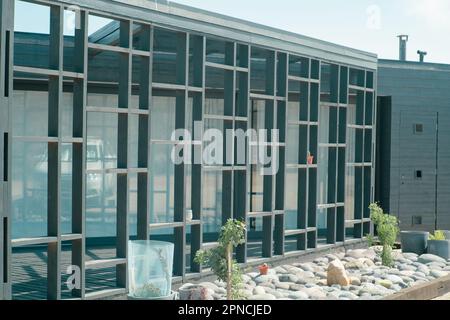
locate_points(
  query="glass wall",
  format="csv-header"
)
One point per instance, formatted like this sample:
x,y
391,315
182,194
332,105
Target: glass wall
x,y
94,148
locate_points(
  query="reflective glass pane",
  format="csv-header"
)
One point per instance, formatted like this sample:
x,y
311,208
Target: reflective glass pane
x,y
212,202
31,35
101,205
162,184
30,113
29,189
163,114
101,150
103,77
291,199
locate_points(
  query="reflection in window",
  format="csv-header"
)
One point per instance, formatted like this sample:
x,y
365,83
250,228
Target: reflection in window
x,y
162,184
212,202
29,189
291,199
31,35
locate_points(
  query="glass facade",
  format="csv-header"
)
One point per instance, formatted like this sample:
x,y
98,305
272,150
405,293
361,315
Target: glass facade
x,y
94,107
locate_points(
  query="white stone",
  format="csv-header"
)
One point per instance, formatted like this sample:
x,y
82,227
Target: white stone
x,y
394,279
263,297
315,293
439,274
427,258
259,290
337,274
355,281
299,295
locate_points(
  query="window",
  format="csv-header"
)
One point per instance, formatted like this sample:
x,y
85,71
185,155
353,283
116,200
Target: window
x,y
416,220
418,128
419,174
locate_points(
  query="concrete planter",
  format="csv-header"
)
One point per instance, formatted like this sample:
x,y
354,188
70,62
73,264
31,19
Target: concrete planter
x,y
447,234
172,296
414,241
439,248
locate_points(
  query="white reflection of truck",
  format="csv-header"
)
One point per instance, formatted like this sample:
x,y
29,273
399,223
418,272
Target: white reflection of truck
x,y
100,191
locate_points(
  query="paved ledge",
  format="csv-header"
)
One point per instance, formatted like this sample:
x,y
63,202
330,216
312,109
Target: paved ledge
x,y
427,291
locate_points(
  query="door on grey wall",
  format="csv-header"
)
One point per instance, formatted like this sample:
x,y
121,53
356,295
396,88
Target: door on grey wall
x,y
417,168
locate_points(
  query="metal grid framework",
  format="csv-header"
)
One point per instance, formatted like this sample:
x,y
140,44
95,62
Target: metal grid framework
x,y
239,95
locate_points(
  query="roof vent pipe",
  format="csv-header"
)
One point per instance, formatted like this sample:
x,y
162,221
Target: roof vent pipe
x,y
422,55
403,39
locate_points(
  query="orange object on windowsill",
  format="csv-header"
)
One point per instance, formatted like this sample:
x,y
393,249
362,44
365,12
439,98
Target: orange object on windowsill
x,y
310,159
263,269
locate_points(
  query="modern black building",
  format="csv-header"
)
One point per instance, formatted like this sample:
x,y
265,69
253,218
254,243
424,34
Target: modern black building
x,y
413,154
91,92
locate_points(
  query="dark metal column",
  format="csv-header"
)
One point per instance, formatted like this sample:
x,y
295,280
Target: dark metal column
x,y
6,54
179,267
122,153
145,101
79,153
54,153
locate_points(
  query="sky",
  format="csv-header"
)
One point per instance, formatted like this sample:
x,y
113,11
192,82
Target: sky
x,y
366,25
369,25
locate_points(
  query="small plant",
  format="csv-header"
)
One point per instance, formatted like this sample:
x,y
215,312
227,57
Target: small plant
x,y
220,259
370,240
438,235
387,229
148,291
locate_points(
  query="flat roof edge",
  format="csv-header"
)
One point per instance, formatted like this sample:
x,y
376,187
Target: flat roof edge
x,y
415,65
220,17
216,24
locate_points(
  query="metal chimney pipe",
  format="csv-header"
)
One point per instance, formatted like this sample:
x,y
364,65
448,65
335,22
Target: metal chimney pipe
x,y
403,39
422,55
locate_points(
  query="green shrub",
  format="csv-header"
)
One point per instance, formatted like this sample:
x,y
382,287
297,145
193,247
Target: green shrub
x,y
387,229
438,235
370,240
220,259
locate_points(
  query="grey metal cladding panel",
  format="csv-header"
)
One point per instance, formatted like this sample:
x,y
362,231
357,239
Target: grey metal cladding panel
x,y
417,196
395,156
444,172
414,74
394,81
196,20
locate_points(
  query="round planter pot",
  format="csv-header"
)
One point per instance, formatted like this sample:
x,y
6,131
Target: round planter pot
x,y
439,248
414,241
172,296
447,234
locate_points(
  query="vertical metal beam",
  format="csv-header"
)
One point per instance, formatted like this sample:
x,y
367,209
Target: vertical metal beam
x,y
79,152
6,62
313,147
145,102
54,152
268,190
280,179
125,70
229,110
374,140
242,179
197,171
180,174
